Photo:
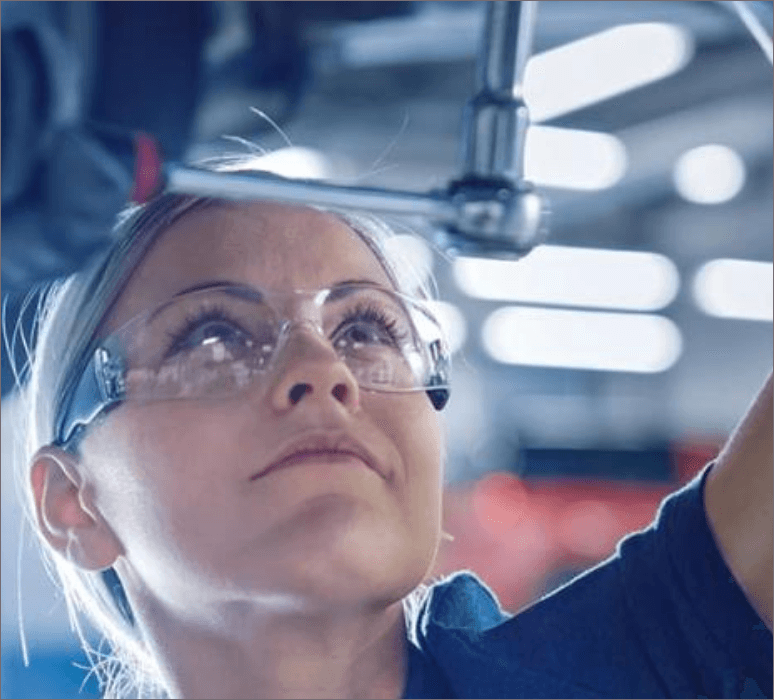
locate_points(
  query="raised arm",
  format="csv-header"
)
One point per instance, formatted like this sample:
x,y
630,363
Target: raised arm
x,y
739,500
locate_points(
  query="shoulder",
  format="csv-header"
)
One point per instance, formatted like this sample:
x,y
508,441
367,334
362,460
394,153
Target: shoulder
x,y
644,622
461,601
466,646
452,656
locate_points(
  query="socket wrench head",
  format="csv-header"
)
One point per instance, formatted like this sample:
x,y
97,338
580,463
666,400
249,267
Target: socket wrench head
x,y
494,218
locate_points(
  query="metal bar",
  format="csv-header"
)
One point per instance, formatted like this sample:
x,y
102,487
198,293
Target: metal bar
x,y
496,118
507,47
490,210
252,186
753,19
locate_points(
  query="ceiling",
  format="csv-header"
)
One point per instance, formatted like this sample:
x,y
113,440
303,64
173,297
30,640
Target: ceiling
x,y
378,88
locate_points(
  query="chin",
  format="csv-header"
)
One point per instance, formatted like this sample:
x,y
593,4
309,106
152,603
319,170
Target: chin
x,y
384,567
339,551
363,567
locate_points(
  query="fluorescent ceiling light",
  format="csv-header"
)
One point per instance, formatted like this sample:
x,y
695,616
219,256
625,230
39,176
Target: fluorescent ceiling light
x,y
735,289
567,276
590,340
453,323
709,174
573,159
602,65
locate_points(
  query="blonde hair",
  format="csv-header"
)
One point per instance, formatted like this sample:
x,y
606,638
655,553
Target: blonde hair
x,y
68,318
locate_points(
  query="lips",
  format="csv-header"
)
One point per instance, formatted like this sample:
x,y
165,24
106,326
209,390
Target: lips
x,y
327,447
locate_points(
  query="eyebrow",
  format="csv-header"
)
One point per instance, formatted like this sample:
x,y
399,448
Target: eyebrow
x,y
339,289
367,282
246,291
361,281
241,291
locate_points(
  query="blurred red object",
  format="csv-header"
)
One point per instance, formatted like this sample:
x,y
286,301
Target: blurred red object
x,y
520,535
690,456
147,168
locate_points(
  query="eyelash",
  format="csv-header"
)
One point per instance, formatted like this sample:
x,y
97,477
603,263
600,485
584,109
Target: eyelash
x,y
370,313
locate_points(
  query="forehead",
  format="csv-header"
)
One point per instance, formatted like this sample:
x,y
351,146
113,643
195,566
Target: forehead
x,y
261,244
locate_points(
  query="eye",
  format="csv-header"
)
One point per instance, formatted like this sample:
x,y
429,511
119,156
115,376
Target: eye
x,y
209,328
362,334
218,332
367,327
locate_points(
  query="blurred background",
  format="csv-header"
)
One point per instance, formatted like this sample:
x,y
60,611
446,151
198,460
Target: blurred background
x,y
591,378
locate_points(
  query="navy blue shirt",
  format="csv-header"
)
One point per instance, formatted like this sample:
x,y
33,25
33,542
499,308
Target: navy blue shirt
x,y
662,617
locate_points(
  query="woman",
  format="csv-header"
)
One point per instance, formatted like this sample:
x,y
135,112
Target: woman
x,y
237,469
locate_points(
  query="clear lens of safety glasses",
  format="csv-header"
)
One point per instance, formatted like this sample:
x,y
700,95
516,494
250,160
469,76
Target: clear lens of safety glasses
x,y
221,340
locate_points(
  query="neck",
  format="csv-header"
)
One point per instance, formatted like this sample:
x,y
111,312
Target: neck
x,y
287,655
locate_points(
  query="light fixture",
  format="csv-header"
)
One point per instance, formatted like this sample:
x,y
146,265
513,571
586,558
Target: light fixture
x,y
591,340
735,289
603,65
709,174
573,159
569,276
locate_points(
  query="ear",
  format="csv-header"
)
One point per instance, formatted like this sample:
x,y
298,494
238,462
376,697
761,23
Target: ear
x,y
66,515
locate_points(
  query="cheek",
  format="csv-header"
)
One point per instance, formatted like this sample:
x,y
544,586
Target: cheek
x,y
150,465
173,432
414,428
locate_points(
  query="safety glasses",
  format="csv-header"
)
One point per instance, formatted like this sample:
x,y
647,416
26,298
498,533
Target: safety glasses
x,y
221,340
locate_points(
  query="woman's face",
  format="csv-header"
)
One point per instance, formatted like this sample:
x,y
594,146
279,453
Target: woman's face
x,y
176,480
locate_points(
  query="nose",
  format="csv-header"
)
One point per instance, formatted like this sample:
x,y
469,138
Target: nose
x,y
312,372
